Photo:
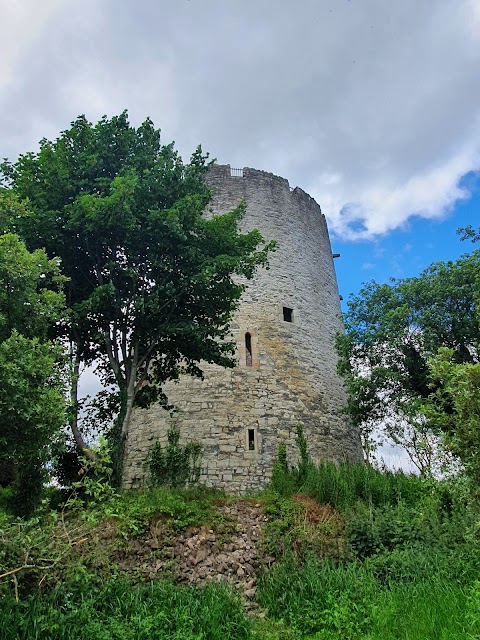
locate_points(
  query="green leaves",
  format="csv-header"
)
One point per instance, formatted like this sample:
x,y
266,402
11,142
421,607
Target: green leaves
x,y
32,413
32,405
453,408
150,281
31,296
391,332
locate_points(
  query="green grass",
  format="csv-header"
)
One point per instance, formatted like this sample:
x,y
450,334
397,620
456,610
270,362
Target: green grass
x,y
393,557
407,568
180,508
325,600
116,610
342,485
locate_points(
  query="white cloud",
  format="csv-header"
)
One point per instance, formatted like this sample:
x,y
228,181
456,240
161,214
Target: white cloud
x,y
371,107
22,21
380,208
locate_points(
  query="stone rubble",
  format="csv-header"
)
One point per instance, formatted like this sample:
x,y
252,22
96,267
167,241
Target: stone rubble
x,y
201,555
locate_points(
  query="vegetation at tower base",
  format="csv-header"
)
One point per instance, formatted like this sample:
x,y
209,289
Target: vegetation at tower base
x,y
150,288
32,407
175,465
395,379
345,552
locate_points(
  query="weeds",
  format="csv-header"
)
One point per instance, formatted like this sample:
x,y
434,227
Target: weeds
x,y
116,609
301,525
175,466
360,554
407,566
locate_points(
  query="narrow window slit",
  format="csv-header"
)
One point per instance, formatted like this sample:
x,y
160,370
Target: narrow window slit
x,y
287,314
251,439
248,349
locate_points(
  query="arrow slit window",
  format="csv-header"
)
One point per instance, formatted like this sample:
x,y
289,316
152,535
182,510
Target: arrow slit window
x,y
248,349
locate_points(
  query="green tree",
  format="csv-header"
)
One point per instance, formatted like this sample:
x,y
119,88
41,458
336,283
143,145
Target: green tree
x,y
32,414
391,332
32,406
151,281
453,408
31,296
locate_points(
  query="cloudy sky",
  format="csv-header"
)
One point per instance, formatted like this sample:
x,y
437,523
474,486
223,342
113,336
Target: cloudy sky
x,y
371,106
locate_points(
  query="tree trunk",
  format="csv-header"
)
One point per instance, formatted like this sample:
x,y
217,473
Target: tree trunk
x,y
130,398
77,435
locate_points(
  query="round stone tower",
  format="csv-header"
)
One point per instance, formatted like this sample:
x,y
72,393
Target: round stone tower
x,y
285,331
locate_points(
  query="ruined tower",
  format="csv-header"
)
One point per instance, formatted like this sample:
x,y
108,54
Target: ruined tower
x,y
285,331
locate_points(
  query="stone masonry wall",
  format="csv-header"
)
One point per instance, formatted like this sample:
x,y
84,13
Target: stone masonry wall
x,y
241,415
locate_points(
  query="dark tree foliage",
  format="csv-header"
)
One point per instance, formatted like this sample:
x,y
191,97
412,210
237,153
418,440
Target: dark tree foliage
x,y
31,382
151,286
392,331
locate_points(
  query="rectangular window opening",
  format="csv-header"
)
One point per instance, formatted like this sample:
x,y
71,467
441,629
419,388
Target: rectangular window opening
x,y
287,314
251,439
236,173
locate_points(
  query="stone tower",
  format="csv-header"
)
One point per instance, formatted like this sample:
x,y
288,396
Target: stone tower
x,y
285,331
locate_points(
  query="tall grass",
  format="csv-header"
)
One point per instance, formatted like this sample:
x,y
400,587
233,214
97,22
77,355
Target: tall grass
x,y
323,600
410,562
118,611
342,485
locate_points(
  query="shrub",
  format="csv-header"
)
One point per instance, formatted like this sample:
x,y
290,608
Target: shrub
x,y
175,465
383,529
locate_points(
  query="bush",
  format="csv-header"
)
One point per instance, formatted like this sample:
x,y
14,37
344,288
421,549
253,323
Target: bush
x,y
27,488
174,466
383,529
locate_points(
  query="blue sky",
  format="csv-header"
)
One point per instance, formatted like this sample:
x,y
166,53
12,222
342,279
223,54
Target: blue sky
x,y
371,107
406,251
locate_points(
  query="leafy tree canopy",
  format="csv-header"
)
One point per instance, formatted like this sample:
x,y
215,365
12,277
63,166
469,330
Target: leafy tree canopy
x,y
32,405
151,281
392,330
453,408
31,296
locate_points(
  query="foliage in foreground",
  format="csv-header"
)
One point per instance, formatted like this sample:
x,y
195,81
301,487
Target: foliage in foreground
x,y
359,555
32,405
324,600
118,610
405,565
